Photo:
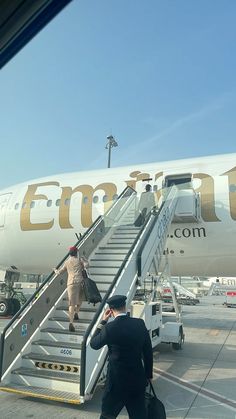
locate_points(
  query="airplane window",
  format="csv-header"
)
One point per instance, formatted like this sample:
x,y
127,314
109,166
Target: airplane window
x,y
49,203
58,202
85,200
24,205
232,188
95,199
105,198
32,204
115,197
67,202
16,206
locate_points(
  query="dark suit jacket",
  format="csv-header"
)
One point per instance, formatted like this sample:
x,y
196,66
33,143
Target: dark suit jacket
x,y
130,354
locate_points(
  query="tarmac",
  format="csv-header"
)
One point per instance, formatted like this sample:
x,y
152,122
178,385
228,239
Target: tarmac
x,y
196,382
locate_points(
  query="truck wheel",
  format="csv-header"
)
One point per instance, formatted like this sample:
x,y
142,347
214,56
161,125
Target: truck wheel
x,y
5,306
178,345
16,305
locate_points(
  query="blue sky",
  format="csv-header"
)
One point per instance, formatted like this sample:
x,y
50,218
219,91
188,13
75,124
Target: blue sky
x,y
159,75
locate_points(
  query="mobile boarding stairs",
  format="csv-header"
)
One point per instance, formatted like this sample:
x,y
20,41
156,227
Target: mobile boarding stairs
x,y
38,355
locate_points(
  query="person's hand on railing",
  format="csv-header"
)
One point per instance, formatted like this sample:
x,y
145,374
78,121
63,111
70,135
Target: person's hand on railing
x,y
56,271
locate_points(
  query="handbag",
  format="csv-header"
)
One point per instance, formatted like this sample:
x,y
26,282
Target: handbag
x,y
91,292
141,218
155,408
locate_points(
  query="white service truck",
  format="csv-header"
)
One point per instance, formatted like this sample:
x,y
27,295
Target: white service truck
x,y
160,332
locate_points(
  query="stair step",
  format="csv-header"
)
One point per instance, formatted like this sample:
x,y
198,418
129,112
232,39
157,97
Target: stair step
x,y
44,378
45,342
98,263
64,319
63,332
63,311
103,286
51,359
113,252
116,246
114,240
81,311
52,348
103,279
104,276
107,257
103,265
42,393
125,234
103,270
87,310
128,227
60,335
85,303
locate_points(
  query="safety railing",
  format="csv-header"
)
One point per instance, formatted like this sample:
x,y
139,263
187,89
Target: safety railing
x,y
159,231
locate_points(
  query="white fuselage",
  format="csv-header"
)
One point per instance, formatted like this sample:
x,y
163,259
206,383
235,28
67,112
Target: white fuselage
x,y
39,219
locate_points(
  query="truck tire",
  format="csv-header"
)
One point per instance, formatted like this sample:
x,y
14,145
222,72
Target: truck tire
x,y
178,345
5,307
15,305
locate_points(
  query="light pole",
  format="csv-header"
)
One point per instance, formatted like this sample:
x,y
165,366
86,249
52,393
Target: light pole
x,y
110,143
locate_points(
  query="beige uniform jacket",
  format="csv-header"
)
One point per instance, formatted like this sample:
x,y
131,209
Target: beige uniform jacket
x,y
74,266
147,200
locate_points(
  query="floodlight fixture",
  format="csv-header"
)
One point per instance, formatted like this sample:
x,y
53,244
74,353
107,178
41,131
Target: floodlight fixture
x,y
110,144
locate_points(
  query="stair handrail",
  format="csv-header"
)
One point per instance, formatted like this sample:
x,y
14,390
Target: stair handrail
x,y
128,191
170,195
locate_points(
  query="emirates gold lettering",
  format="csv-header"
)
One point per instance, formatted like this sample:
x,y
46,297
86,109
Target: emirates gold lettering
x,y
207,197
30,196
87,192
231,174
136,176
158,192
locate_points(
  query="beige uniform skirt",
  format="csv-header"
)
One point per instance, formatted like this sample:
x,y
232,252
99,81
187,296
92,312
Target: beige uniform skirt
x,y
75,294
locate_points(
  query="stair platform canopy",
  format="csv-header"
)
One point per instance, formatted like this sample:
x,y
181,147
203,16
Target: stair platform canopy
x,y
39,356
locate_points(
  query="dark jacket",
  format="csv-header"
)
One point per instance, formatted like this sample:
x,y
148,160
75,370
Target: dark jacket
x,y
130,354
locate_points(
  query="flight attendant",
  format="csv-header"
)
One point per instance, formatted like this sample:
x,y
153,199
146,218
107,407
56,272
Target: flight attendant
x,y
130,360
74,266
146,204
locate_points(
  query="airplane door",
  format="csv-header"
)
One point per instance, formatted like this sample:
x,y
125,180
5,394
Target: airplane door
x,y
4,199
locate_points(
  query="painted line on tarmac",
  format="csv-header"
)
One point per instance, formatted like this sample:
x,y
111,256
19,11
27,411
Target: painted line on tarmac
x,y
195,388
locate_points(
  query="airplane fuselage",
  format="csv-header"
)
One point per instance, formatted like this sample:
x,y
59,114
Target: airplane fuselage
x,y
39,219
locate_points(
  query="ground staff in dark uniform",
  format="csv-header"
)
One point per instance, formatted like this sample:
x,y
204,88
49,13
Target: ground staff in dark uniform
x,y
130,360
